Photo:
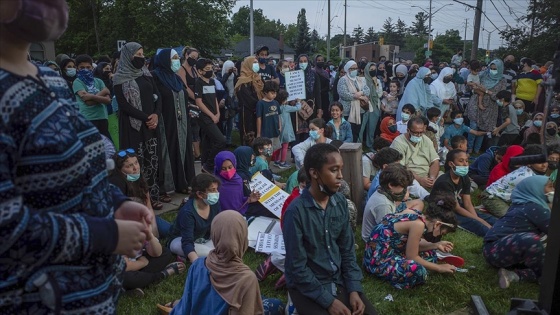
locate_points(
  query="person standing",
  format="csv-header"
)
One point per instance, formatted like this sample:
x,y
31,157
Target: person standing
x,y
249,90
63,227
188,75
325,82
528,87
457,58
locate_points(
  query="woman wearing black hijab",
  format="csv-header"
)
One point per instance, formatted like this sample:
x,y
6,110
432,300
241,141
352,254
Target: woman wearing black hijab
x,y
324,80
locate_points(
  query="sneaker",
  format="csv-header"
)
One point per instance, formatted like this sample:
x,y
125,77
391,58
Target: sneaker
x,y
506,277
284,165
135,293
450,259
277,163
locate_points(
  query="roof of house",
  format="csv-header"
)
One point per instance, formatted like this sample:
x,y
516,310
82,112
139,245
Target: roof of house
x,y
241,48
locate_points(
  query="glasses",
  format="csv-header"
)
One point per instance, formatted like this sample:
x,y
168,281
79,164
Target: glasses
x,y
124,153
447,224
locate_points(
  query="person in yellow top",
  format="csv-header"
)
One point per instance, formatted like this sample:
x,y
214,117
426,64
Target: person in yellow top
x,y
528,87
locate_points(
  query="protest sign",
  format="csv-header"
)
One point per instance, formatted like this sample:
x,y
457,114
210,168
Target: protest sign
x,y
259,225
272,197
270,243
295,84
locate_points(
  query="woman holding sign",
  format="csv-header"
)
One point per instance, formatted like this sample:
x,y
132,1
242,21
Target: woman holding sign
x,y
312,86
248,90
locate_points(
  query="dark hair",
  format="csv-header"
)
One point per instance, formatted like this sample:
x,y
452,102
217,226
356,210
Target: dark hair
x,y
396,82
259,143
555,148
396,175
279,65
501,150
248,138
415,120
137,189
410,108
441,206
386,156
187,51
202,63
433,112
528,61
104,58
84,59
450,157
475,65
505,94
336,104
380,143
270,86
201,182
533,138
317,156
455,113
532,149
281,96
457,140
320,123
301,176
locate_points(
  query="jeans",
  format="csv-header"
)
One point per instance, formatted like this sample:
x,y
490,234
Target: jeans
x,y
475,226
163,227
227,128
474,142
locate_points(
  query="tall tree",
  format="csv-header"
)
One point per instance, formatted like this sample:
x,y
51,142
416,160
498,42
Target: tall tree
x,y
314,42
388,31
263,26
358,34
371,36
419,27
303,38
400,32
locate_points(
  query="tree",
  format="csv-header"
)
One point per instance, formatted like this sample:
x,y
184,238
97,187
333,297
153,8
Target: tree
x,y
388,30
303,38
419,27
371,36
358,34
400,32
262,25
314,42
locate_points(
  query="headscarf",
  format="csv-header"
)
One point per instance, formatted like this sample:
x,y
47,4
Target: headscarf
x,y
502,168
232,188
389,69
243,155
309,77
551,140
126,71
444,90
320,71
98,71
347,66
60,58
162,64
234,281
230,84
63,64
490,80
50,62
385,132
247,75
417,93
531,189
404,70
373,96
532,128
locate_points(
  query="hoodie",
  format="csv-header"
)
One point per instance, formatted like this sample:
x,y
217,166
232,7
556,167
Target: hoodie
x,y
503,168
484,164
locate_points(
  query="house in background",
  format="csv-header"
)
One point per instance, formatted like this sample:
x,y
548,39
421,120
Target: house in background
x,y
277,48
42,51
372,51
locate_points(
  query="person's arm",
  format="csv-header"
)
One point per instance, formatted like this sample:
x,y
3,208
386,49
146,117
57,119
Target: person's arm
x,y
125,106
415,232
434,168
539,91
484,165
540,217
348,132
497,130
299,151
259,117
343,91
187,225
153,248
137,264
200,103
247,97
351,273
476,132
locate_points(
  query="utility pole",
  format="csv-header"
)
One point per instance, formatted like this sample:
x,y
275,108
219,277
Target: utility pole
x,y
428,52
251,30
465,38
345,6
329,32
476,33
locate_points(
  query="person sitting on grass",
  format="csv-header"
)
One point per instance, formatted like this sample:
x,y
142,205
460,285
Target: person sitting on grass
x,y
369,170
190,235
342,130
496,198
401,248
262,149
503,168
408,111
388,129
457,128
480,169
319,132
221,283
456,182
459,142
245,159
553,161
515,243
322,275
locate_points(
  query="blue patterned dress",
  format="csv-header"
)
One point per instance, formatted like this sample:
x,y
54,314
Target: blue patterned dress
x,y
57,229
385,253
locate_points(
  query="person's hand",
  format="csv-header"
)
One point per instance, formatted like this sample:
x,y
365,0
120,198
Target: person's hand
x,y
481,107
152,121
338,308
444,246
496,131
134,211
131,237
357,304
222,103
254,196
143,260
357,95
216,118
446,268
426,182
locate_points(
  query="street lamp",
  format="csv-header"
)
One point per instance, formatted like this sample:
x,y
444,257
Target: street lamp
x,y
430,14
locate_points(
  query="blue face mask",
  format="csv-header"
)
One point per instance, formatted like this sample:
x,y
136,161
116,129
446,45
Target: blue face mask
x,y
212,198
175,65
461,170
415,139
405,116
132,177
303,65
331,67
554,116
458,121
314,134
537,123
434,76
256,67
353,73
71,72
519,111
500,103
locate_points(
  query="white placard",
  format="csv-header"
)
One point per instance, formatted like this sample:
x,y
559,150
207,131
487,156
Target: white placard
x,y
272,197
270,243
295,84
262,225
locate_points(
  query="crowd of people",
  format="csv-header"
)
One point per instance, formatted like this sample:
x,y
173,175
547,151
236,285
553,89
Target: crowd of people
x,y
90,148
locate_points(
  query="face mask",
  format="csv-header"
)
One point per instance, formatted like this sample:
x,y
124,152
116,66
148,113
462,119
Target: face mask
x,y
500,103
71,72
191,61
447,80
267,152
415,139
550,197
228,174
262,60
320,65
393,128
324,189
331,67
519,112
138,62
552,165
372,73
461,170
39,20
551,132
430,237
493,72
554,116
132,177
397,196
428,80
314,134
284,70
353,73
434,76
400,78
303,65
106,74
175,65
208,74
256,67
458,121
212,198
85,73
405,116
537,123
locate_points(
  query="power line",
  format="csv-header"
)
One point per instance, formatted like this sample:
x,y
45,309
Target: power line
x,y
491,1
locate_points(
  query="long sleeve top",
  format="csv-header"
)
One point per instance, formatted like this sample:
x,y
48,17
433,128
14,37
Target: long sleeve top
x,y
347,96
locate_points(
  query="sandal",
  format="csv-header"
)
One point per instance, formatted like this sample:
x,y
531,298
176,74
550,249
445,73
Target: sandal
x,y
167,308
174,268
165,198
156,205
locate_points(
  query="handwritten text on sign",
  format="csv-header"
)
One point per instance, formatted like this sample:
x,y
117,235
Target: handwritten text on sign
x,y
295,84
272,197
269,243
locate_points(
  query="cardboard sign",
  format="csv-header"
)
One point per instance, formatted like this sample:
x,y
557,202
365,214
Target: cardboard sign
x,y
260,225
270,243
295,84
272,197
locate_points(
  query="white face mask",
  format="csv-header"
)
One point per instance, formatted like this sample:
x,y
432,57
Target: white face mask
x,y
303,65
256,67
550,197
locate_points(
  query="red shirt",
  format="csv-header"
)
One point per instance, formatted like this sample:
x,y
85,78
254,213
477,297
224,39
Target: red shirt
x,y
291,197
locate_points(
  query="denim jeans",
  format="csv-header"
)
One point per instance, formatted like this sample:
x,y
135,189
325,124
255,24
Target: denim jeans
x,y
163,227
474,142
475,226
227,128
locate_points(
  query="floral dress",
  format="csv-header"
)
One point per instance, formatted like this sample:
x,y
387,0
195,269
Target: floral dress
x,y
385,253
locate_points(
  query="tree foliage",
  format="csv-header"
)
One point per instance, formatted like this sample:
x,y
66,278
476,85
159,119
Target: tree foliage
x,y
419,26
400,32
303,38
239,24
371,36
388,30
358,35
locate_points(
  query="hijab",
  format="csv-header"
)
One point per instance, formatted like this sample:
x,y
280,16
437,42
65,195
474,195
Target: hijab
x,y
490,80
347,67
385,132
230,84
126,71
63,64
234,281
243,155
163,71
417,93
373,96
247,75
320,71
531,189
404,70
309,77
389,69
232,188
554,139
441,89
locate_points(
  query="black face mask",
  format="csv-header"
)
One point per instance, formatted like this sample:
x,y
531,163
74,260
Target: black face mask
x,y
430,237
428,80
138,62
208,74
320,65
552,165
106,74
447,80
191,61
400,78
324,189
551,132
380,72
373,73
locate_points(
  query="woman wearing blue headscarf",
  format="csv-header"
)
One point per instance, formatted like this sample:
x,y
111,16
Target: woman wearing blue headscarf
x,y
175,118
517,238
485,118
418,93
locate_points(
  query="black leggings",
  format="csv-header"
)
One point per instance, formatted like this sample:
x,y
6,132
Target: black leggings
x,y
305,305
103,126
149,274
